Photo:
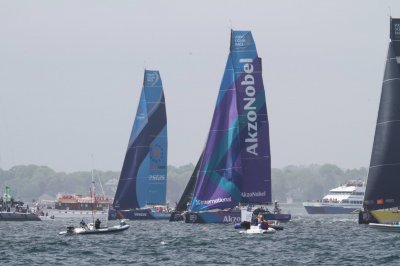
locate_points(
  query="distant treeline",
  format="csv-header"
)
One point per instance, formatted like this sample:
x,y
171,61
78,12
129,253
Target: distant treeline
x,y
296,183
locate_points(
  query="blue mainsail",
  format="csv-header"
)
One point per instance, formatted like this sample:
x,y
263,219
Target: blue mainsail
x,y
236,164
143,177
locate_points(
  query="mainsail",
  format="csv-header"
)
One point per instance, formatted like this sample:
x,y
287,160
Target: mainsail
x,y
144,173
383,183
236,164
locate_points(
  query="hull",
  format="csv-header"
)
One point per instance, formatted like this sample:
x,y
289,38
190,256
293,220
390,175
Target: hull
x,y
257,230
330,209
139,214
82,231
73,213
232,216
176,217
15,216
386,216
386,227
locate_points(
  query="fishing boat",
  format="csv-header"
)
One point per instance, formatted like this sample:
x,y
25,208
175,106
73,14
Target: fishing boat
x,y
235,166
141,190
382,197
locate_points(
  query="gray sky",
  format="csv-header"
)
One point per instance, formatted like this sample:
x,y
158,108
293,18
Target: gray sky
x,y
71,74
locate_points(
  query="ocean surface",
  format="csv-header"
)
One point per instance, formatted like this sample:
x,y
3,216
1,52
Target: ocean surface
x,y
306,240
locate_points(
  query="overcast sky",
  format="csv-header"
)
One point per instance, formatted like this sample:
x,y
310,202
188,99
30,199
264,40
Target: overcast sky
x,y
71,73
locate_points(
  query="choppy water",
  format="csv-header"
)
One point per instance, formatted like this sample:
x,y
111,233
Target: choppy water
x,y
306,240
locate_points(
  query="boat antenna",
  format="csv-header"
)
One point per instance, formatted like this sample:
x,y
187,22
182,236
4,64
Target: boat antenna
x,y
390,11
92,191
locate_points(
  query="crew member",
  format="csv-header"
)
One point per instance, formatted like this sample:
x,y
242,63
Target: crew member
x,y
97,224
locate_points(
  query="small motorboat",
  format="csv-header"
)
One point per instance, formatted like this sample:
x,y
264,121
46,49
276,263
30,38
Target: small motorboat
x,y
243,225
255,229
395,227
91,229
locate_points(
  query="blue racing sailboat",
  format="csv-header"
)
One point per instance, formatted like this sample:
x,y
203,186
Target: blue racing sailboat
x,y
141,191
235,167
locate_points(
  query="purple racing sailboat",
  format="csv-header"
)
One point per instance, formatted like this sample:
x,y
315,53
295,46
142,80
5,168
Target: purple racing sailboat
x,y
235,167
141,191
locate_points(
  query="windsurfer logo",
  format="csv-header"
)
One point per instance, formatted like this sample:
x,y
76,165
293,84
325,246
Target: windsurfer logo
x,y
250,106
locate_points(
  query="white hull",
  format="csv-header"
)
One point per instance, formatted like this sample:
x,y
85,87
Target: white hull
x,y
386,227
91,230
254,229
73,214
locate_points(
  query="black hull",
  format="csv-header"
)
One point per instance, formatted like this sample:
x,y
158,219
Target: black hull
x,y
177,217
365,217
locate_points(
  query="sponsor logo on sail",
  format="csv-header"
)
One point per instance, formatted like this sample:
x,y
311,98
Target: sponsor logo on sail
x,y
254,194
241,41
157,177
152,78
250,108
212,201
396,29
156,153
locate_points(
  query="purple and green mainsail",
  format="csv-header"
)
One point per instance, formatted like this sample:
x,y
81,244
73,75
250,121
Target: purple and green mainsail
x,y
143,177
236,163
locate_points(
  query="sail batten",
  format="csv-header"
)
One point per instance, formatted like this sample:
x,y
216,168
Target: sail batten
x,y
143,176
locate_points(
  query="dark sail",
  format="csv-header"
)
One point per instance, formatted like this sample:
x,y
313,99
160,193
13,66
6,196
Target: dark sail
x,y
188,192
383,185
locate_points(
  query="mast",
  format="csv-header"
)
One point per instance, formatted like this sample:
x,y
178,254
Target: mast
x,y
383,183
92,197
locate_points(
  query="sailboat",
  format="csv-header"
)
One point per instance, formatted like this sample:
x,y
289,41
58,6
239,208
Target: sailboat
x,y
186,198
382,197
141,190
235,166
